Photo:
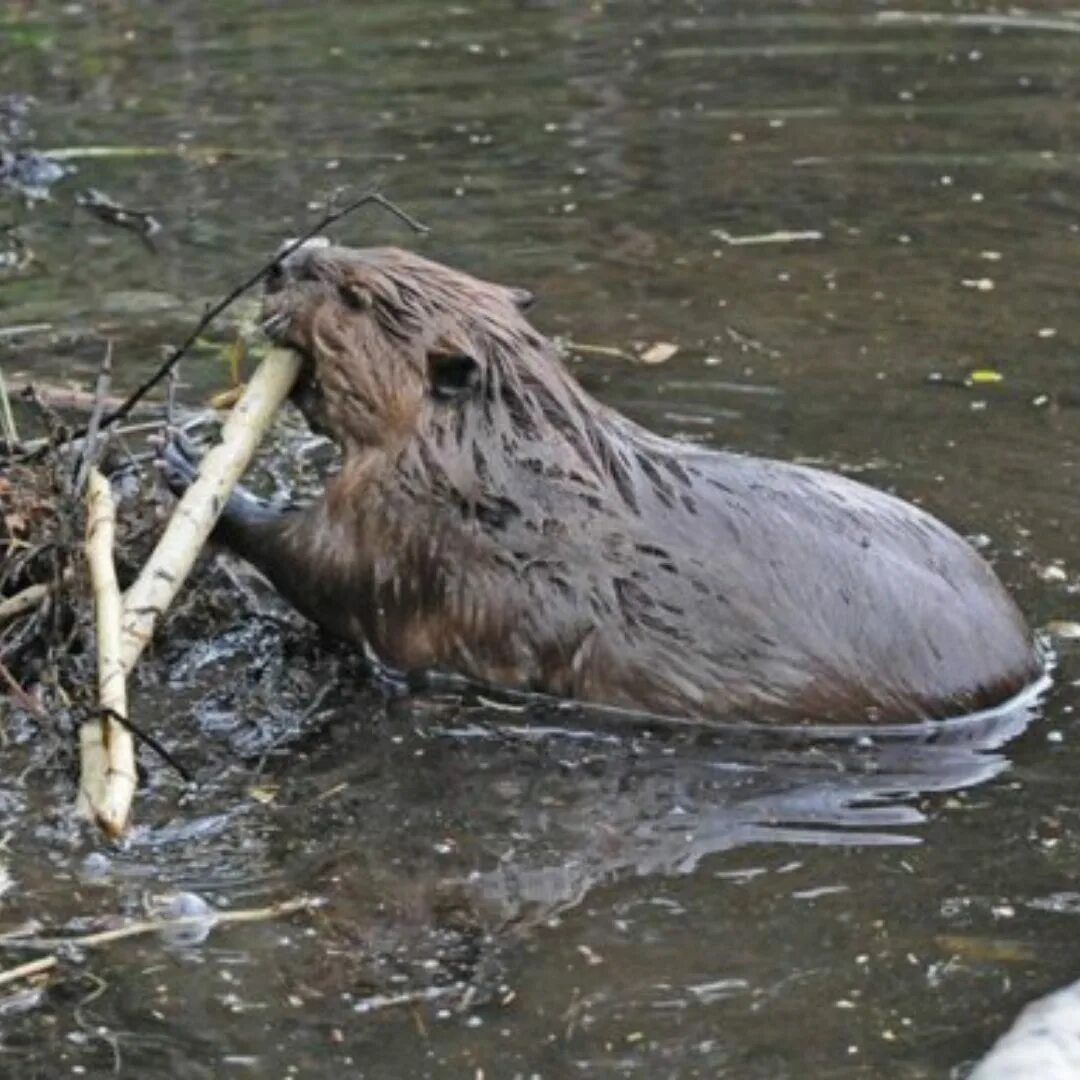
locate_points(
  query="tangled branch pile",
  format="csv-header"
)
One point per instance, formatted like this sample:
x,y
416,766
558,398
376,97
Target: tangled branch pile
x,y
43,621
52,593
47,581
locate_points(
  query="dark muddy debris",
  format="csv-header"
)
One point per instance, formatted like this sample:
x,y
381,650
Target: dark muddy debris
x,y
16,255
23,170
30,174
45,617
108,211
14,117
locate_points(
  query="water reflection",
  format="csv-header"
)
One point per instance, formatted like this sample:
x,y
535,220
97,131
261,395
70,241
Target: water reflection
x,y
610,806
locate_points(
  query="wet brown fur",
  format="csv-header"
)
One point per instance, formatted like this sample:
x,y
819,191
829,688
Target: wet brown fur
x,y
509,528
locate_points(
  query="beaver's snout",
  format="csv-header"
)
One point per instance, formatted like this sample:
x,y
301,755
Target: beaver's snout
x,y
289,284
296,265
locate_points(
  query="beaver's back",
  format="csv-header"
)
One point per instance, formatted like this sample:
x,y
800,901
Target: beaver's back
x,y
757,585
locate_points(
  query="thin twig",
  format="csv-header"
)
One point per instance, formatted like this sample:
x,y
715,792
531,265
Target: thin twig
x,y
28,970
19,634
72,398
89,454
601,350
377,1002
170,396
26,328
24,700
46,409
95,1030
22,602
11,432
780,236
235,293
31,446
154,926
150,741
137,929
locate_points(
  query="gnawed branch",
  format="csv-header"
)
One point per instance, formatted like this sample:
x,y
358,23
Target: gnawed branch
x,y
194,517
107,775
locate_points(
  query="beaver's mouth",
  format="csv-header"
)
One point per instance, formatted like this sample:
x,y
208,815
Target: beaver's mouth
x,y
289,306
280,323
278,313
293,290
282,326
307,396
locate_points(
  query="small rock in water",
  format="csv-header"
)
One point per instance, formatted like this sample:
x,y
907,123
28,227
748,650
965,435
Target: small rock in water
x,y
96,867
30,174
1053,573
187,906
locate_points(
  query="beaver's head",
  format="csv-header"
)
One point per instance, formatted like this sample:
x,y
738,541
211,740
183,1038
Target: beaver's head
x,y
391,341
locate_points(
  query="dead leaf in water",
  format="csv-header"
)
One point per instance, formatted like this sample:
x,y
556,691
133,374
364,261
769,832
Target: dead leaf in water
x,y
226,399
969,947
234,354
659,353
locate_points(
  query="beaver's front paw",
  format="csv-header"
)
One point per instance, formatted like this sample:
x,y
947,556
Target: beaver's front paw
x,y
178,461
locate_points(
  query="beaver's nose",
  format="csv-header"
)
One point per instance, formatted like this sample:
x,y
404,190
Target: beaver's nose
x,y
293,261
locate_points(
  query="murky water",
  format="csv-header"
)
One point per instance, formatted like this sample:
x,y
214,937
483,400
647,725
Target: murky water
x,y
619,905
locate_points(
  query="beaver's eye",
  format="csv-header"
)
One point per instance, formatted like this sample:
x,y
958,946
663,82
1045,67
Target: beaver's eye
x,y
453,375
355,296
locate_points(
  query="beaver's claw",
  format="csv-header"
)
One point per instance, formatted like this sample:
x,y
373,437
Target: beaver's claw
x,y
178,461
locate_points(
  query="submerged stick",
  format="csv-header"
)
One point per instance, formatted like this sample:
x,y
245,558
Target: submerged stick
x,y
194,517
107,775
138,929
176,922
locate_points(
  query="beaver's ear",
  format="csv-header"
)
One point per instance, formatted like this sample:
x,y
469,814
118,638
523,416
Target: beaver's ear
x,y
523,299
453,375
355,295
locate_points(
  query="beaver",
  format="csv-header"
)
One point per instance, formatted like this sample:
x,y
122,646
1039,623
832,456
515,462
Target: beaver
x,y
492,520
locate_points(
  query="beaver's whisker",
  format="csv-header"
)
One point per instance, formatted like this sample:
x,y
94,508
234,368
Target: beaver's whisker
x,y
275,324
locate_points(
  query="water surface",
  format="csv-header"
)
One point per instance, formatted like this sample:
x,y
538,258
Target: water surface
x,y
620,905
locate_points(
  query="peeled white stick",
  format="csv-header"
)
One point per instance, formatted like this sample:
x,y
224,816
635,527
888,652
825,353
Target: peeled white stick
x,y
22,602
107,754
193,519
